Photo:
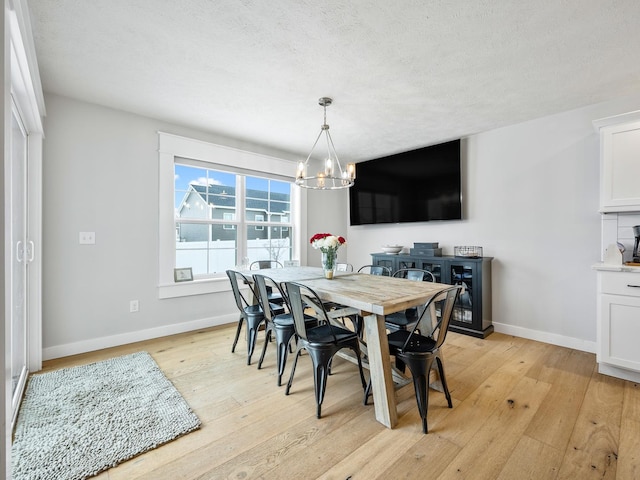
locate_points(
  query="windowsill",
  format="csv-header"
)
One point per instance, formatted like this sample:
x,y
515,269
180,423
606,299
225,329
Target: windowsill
x,y
196,287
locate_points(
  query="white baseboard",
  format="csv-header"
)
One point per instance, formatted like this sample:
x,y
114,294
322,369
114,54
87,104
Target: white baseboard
x,y
93,344
623,373
546,337
90,345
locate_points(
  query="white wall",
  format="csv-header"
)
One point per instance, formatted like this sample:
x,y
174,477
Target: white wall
x,y
101,175
531,194
531,201
330,215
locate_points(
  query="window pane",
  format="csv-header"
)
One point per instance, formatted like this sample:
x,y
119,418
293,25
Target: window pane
x,y
203,193
275,249
256,209
270,198
280,210
205,257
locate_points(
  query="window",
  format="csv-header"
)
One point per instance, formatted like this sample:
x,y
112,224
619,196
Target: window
x,y
217,210
259,218
228,216
215,234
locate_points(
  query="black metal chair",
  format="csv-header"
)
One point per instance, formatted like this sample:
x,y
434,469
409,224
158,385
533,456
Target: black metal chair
x,y
335,310
405,319
321,342
344,267
375,270
418,351
357,320
262,264
249,311
274,296
278,321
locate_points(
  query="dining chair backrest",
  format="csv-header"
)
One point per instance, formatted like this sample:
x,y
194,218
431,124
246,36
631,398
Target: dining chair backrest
x,y
234,278
262,264
444,301
344,267
416,274
375,270
262,285
301,298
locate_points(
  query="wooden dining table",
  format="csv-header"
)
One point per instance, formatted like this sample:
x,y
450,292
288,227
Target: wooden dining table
x,y
373,296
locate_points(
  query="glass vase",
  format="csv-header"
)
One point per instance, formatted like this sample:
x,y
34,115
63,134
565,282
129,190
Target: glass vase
x,y
329,263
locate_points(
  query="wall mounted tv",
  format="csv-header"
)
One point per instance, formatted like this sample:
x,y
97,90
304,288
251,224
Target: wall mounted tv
x,y
416,186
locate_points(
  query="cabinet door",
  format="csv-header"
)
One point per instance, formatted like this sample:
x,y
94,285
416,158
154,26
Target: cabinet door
x,y
436,267
464,274
407,262
388,261
619,331
619,185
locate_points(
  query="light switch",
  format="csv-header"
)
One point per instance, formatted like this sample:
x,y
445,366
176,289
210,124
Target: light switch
x,y
87,238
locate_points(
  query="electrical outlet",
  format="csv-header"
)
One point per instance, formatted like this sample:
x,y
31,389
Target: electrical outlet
x,y
87,238
134,306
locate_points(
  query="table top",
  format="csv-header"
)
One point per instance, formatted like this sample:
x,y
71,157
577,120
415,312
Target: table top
x,y
288,274
375,294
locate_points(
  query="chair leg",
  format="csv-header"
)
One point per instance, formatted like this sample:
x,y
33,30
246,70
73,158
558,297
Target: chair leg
x,y
358,323
366,386
293,370
321,361
235,340
367,393
443,380
283,344
422,397
252,336
356,350
267,339
400,365
420,373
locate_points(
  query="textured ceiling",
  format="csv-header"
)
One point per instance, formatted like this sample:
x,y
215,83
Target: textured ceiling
x,y
403,74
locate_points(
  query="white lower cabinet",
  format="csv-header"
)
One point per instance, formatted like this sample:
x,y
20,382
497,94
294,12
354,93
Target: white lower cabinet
x,y
619,323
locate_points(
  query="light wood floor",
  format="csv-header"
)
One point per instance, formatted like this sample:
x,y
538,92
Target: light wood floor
x,y
522,410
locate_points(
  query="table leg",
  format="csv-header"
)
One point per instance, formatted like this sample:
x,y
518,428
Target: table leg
x,y
384,396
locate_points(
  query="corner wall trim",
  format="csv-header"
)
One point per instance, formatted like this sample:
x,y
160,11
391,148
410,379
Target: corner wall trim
x,y
90,345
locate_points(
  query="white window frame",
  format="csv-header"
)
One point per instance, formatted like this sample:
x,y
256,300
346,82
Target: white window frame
x,y
171,147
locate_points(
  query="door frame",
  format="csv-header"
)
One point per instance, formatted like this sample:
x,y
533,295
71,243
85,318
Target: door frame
x,y
26,91
22,82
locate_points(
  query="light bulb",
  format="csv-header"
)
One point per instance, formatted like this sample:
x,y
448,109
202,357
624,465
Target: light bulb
x,y
301,170
328,167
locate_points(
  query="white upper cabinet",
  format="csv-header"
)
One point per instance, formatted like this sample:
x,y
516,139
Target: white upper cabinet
x,y
619,162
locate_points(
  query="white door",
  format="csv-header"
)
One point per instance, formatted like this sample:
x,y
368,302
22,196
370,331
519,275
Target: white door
x,y
22,253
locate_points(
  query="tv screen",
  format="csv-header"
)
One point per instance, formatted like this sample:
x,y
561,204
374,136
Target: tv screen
x,y
416,186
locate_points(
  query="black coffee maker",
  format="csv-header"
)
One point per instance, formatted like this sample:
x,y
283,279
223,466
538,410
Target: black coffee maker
x,y
636,254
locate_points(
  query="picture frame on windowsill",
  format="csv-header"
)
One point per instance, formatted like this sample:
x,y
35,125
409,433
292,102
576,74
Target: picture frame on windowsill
x,y
182,274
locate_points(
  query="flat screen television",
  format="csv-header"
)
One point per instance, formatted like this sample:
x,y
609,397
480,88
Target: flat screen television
x,y
416,186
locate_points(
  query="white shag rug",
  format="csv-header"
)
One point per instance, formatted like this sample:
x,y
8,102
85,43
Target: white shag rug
x,y
76,422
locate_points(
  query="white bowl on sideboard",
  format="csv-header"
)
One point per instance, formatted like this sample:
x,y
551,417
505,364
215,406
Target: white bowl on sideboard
x,y
392,249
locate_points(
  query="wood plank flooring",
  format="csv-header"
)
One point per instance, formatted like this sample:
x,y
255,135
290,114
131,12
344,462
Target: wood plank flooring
x,y
522,410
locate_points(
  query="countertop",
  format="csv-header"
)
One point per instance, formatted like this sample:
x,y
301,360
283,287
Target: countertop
x,y
609,267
